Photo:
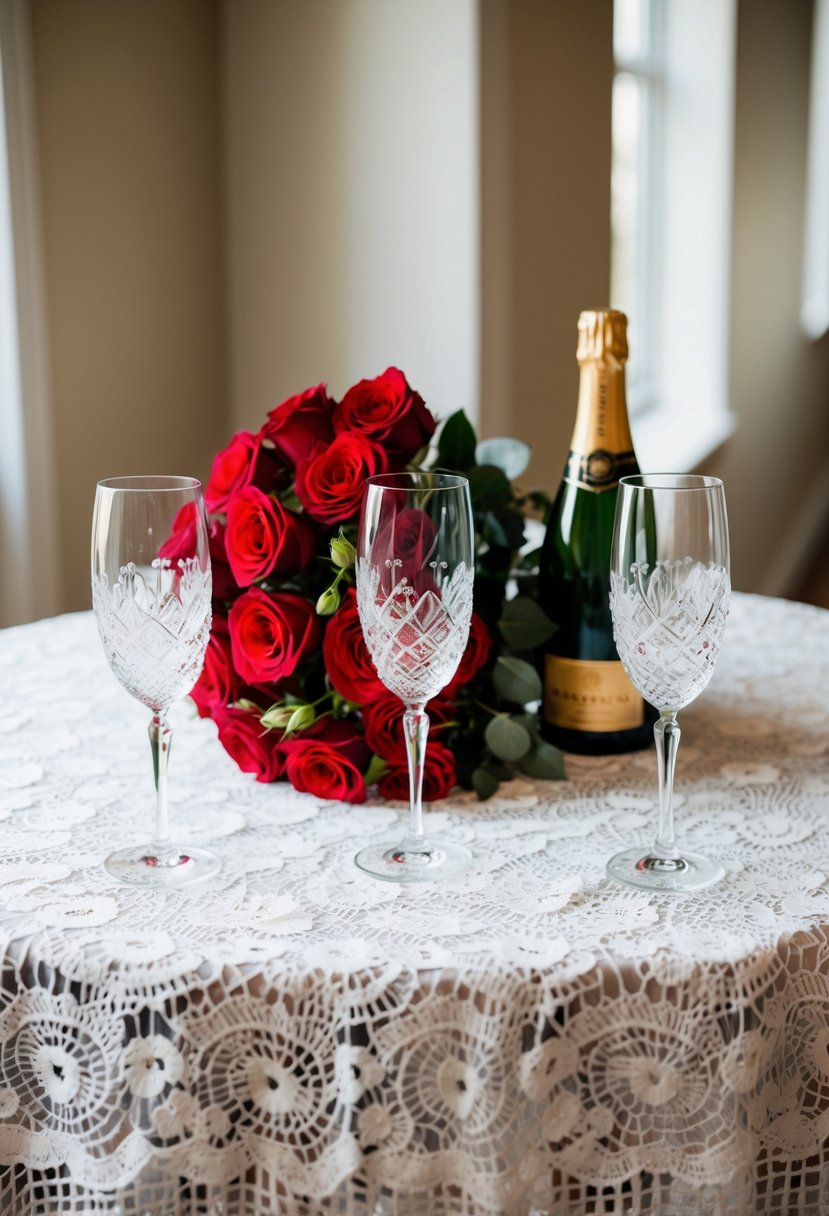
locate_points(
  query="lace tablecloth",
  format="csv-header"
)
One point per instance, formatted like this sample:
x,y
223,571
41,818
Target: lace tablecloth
x,y
528,1038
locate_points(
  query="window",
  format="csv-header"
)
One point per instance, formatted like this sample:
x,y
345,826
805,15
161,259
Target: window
x,y
673,103
28,517
815,310
638,128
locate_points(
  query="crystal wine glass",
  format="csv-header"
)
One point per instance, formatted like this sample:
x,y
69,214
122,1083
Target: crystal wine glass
x,y
415,570
151,588
669,594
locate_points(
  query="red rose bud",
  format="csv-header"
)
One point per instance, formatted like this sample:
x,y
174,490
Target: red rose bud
x,y
218,683
346,658
329,599
243,462
474,657
297,425
331,483
439,777
343,553
289,718
271,634
263,538
388,411
253,749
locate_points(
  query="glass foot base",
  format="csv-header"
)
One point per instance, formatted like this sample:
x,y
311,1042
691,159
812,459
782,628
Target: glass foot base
x,y
140,868
689,872
392,862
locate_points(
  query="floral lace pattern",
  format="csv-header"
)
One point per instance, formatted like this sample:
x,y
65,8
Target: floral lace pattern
x,y
527,1038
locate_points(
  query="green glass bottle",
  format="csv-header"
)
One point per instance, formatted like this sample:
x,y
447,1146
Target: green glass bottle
x,y
590,706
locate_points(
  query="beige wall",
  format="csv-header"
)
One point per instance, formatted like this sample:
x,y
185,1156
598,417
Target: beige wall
x,y
776,467
546,74
178,138
352,187
127,98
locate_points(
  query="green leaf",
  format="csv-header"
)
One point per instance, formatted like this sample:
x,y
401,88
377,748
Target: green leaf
x,y
488,487
510,455
507,739
290,501
493,531
516,680
524,624
485,783
456,445
544,761
376,767
512,522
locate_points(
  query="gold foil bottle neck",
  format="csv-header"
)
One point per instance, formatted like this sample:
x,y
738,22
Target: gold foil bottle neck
x,y
602,335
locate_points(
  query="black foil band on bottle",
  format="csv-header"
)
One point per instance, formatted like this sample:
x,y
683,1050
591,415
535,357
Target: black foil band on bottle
x,y
600,470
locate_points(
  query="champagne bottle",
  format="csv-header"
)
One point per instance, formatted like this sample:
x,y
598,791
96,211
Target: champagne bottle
x,y
590,706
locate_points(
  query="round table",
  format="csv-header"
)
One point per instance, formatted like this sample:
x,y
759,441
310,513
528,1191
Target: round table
x,y
527,1038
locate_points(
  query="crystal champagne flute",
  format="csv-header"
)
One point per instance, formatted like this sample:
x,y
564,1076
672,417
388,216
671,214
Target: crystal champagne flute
x,y
415,570
151,589
669,594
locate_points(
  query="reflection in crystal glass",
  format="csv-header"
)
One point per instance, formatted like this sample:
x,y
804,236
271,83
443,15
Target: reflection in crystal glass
x,y
415,571
151,589
669,594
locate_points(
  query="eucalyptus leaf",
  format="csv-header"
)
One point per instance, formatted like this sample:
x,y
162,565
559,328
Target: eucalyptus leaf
x,y
524,624
493,531
485,783
516,680
456,444
510,455
507,739
544,761
488,487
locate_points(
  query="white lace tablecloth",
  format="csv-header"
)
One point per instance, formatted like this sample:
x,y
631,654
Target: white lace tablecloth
x,y
528,1038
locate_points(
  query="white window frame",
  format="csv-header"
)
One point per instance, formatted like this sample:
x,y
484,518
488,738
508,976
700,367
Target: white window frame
x,y
686,413
814,313
29,587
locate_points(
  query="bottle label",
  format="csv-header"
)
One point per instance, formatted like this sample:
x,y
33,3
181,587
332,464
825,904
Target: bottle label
x,y
600,470
595,696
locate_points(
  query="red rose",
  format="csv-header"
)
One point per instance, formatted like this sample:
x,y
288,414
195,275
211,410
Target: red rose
x,y
388,411
383,724
407,538
218,683
346,658
330,484
439,777
254,749
327,761
474,657
271,634
297,425
242,463
263,538
224,584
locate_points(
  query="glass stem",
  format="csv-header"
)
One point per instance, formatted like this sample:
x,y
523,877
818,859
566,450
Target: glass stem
x,y
416,729
666,735
161,737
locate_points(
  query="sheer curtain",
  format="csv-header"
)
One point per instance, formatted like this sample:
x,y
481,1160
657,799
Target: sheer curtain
x,y
29,575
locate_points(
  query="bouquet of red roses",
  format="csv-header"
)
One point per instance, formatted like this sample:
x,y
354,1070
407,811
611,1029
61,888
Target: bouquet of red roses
x,y
287,677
